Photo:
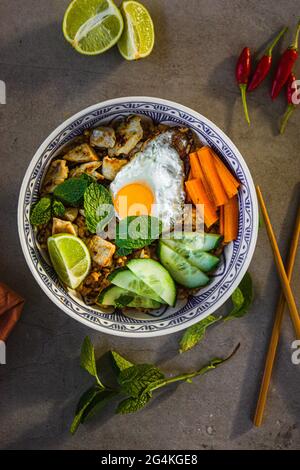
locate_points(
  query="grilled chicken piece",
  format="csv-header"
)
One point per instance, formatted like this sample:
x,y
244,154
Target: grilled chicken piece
x,y
63,226
129,133
88,168
57,173
112,166
101,251
71,214
103,137
81,154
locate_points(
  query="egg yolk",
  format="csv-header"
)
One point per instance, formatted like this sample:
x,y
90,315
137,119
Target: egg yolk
x,y
134,199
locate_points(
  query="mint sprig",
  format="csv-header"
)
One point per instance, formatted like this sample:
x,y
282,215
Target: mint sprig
x,y
41,212
135,384
136,232
98,207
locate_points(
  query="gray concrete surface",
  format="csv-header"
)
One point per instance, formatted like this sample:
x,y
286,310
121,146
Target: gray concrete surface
x,y
197,42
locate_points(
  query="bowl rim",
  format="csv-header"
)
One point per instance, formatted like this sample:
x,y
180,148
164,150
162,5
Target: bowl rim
x,y
43,147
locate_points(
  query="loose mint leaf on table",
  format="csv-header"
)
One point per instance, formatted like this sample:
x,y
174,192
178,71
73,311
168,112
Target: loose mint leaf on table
x,y
87,359
195,333
71,191
58,209
137,382
41,211
134,380
131,405
241,298
101,399
85,400
135,232
98,207
120,361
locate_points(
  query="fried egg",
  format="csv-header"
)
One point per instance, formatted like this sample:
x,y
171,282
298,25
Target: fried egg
x,y
152,183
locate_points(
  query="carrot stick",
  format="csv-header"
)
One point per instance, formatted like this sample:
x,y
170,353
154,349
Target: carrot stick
x,y
231,219
195,166
229,182
211,175
198,195
197,173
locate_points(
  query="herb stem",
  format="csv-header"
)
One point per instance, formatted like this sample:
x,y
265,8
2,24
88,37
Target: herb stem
x,y
190,375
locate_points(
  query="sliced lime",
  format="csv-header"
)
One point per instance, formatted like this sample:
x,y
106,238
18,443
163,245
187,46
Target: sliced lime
x,y
137,40
92,26
70,258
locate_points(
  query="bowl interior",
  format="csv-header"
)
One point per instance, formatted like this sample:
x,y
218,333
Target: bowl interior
x,y
236,256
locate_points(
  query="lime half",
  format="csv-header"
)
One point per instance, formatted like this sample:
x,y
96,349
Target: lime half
x,y
137,40
70,258
92,26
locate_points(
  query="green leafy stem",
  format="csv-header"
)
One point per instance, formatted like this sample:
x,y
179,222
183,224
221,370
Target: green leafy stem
x,y
135,383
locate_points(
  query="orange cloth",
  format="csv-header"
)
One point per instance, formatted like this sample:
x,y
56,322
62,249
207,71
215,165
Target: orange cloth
x,y
11,306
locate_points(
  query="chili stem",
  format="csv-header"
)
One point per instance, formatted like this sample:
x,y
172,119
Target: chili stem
x,y
290,109
295,43
243,88
273,44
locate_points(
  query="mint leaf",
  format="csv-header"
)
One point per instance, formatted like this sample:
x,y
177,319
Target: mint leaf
x,y
131,405
84,401
41,211
134,380
120,361
124,251
136,232
71,191
98,207
241,298
87,359
100,400
58,209
195,333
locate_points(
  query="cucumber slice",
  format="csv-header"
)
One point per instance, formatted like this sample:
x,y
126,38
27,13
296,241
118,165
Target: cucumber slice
x,y
202,260
114,296
127,280
196,241
153,274
180,269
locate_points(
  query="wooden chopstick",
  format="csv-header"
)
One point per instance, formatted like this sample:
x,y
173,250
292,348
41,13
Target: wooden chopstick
x,y
271,354
288,294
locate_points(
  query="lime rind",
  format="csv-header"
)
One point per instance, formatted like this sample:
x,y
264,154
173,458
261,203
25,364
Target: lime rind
x,y
98,32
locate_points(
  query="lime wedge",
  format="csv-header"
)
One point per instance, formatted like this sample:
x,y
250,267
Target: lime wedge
x,y
137,40
92,26
70,258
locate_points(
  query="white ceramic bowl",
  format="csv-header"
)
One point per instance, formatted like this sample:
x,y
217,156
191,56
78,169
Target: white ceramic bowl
x,y
235,260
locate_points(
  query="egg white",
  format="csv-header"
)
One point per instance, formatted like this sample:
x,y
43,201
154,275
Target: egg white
x,y
159,167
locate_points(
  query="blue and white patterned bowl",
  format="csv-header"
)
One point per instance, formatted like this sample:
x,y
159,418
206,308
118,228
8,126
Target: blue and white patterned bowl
x,y
237,255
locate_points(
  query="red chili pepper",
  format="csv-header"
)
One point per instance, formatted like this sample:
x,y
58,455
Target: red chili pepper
x,y
285,66
290,91
264,65
242,72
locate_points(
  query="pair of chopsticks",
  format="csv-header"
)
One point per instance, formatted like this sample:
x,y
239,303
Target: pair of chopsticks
x,y
286,297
